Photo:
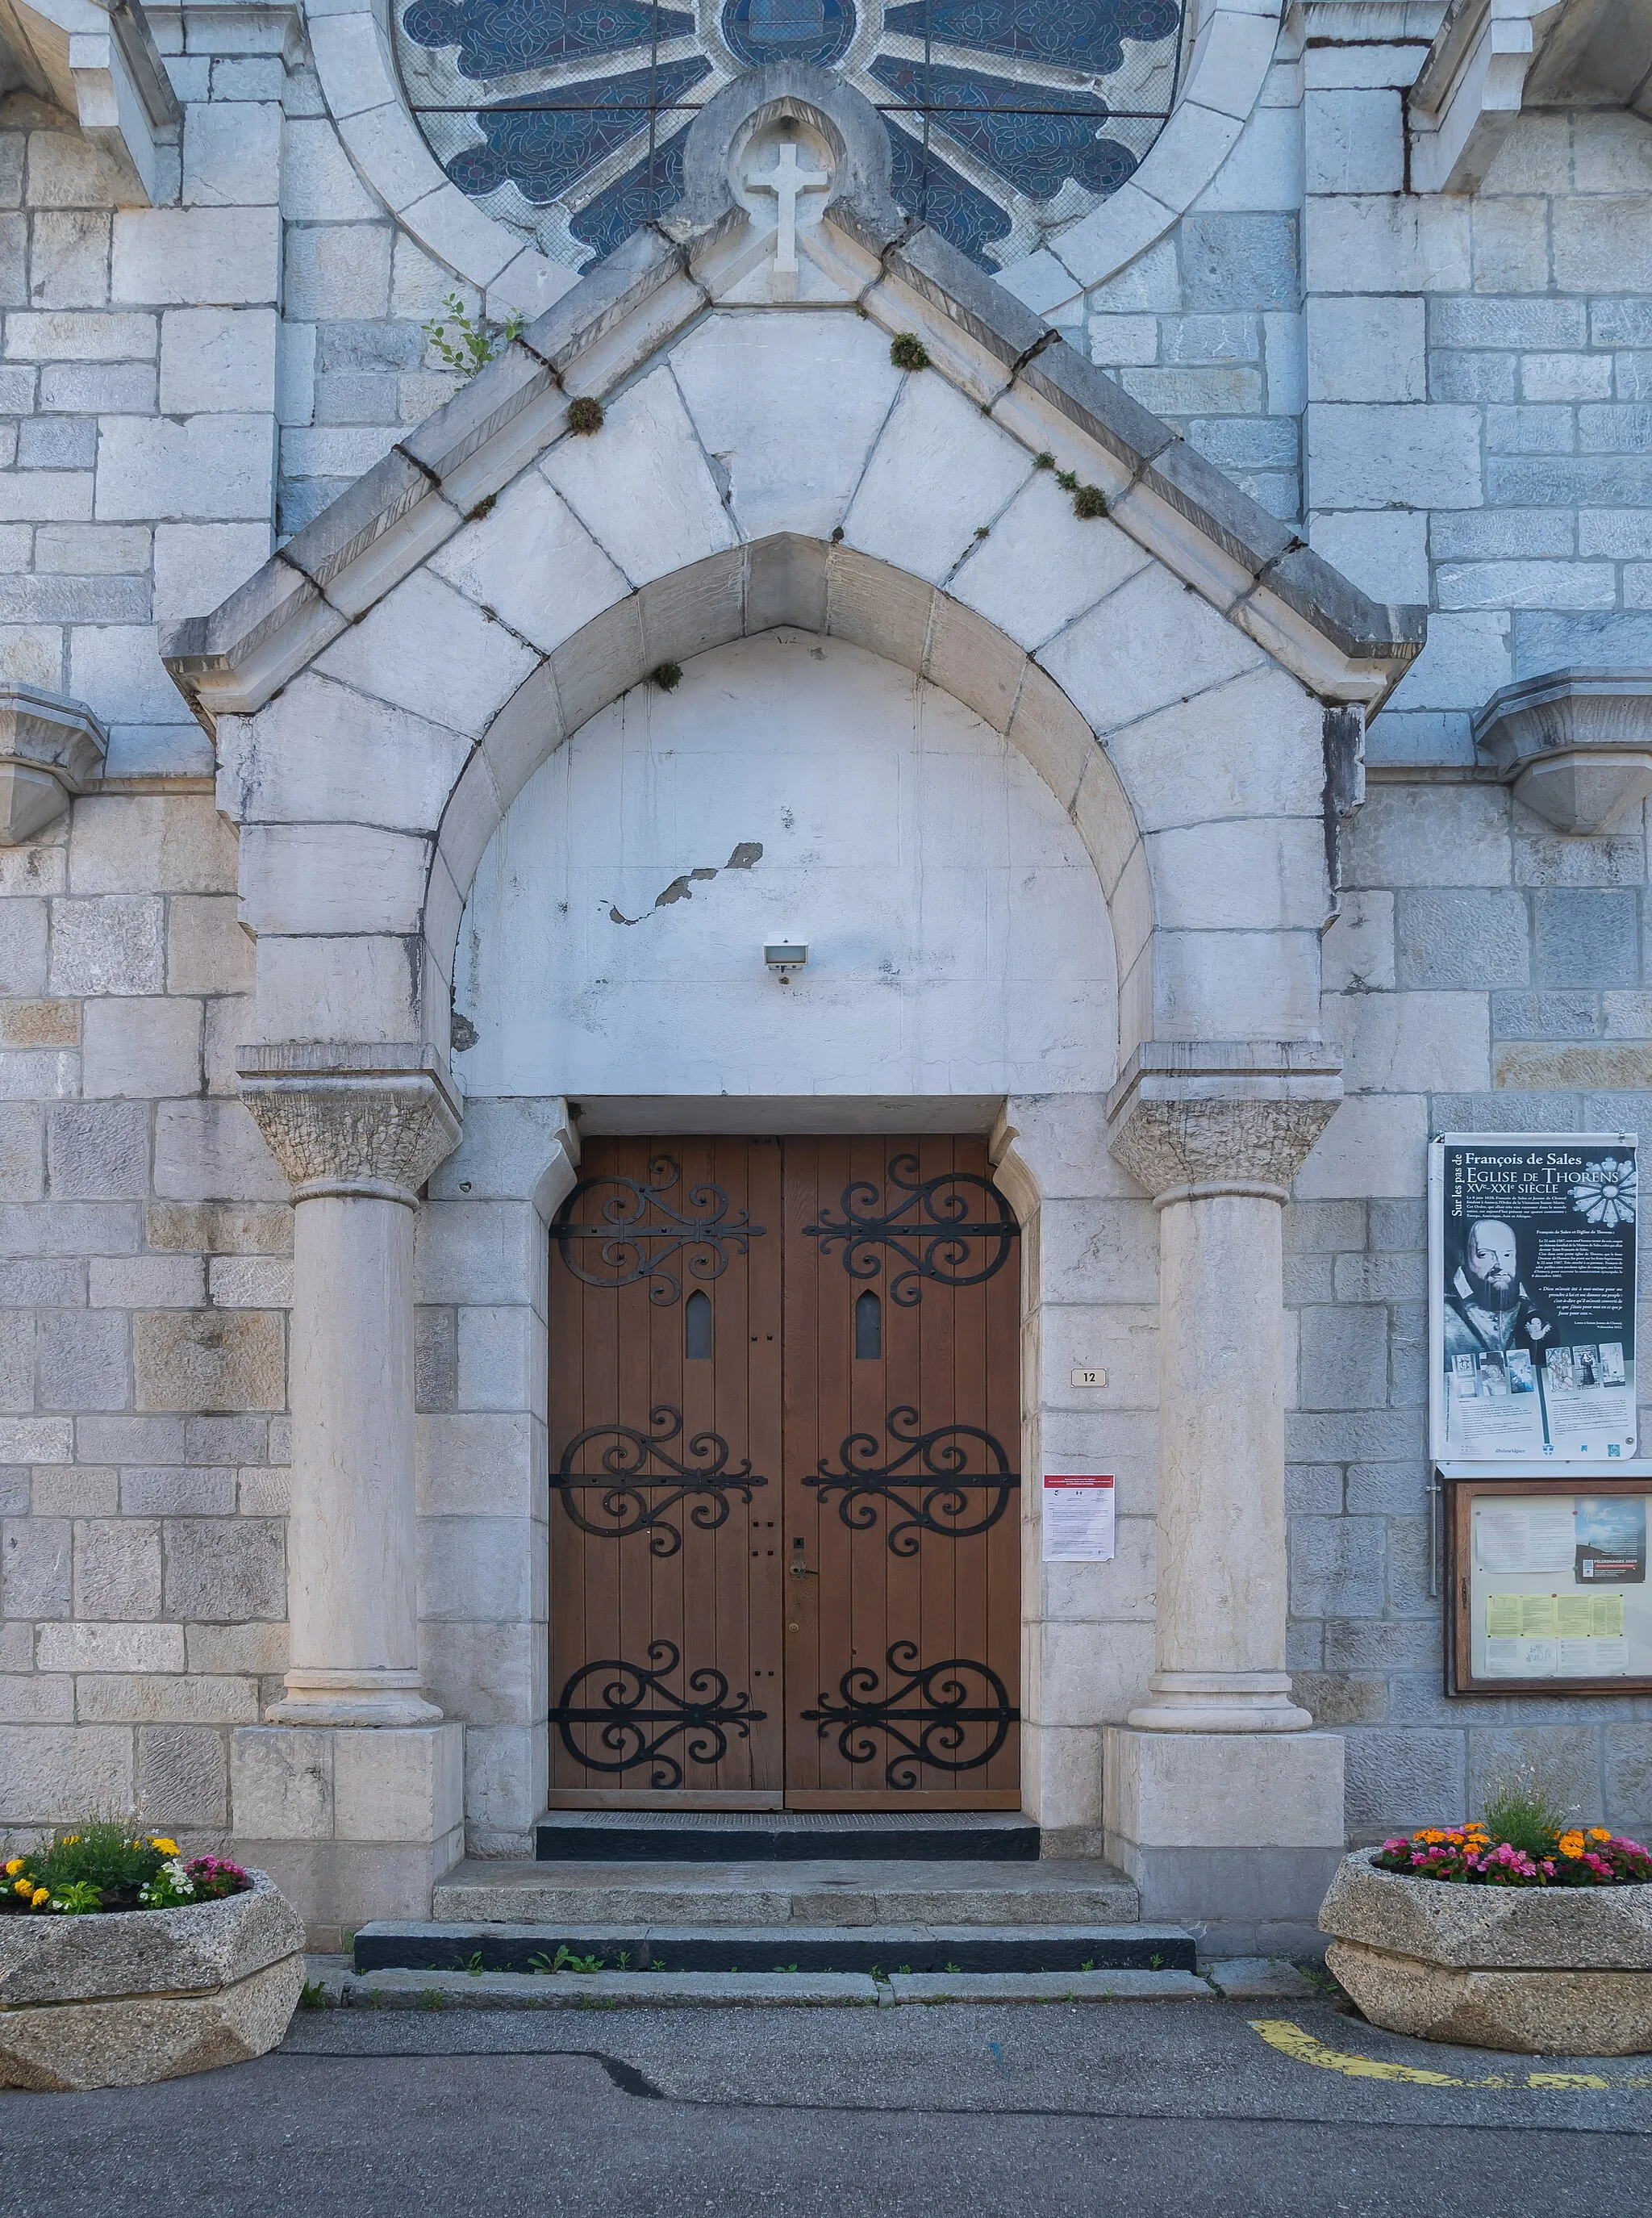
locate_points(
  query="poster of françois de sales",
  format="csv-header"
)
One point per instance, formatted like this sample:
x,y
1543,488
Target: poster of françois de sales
x,y
1531,1296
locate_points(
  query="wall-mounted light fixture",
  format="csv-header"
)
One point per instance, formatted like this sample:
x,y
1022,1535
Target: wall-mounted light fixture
x,y
783,960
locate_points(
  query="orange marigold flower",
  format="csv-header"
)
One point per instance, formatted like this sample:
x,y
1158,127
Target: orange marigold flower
x,y
1571,1844
1599,1833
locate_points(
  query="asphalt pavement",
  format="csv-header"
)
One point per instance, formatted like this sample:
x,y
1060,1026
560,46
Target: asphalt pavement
x,y
1044,2109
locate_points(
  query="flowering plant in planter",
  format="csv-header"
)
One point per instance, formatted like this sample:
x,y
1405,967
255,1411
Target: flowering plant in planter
x,y
1468,1856
101,1866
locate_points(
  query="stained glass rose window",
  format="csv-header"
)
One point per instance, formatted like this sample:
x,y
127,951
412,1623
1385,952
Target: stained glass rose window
x,y
1007,119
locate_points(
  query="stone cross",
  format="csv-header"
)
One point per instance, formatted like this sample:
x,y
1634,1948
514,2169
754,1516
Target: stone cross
x,y
787,181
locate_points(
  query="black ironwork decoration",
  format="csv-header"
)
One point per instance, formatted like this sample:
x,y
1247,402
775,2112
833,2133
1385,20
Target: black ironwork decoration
x,y
631,1497
928,1715
926,1475
637,1716
630,1232
956,1228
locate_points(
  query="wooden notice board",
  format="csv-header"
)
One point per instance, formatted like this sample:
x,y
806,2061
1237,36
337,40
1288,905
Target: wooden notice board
x,y
1547,1586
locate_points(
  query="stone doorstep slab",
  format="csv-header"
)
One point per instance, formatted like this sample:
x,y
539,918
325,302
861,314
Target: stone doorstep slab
x,y
391,1945
783,1835
506,1991
827,1891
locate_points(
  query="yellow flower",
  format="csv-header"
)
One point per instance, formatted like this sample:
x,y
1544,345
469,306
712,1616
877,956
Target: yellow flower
x,y
167,1848
69,1840
1599,1833
13,1868
1571,1844
40,1895
24,1887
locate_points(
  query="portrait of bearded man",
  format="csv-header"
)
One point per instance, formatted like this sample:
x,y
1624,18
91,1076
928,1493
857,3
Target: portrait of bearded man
x,y
1487,1310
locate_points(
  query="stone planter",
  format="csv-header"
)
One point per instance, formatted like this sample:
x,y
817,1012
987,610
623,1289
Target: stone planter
x,y
134,1995
1539,1970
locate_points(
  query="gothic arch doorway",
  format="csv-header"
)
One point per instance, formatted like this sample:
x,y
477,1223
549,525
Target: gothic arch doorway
x,y
784,1447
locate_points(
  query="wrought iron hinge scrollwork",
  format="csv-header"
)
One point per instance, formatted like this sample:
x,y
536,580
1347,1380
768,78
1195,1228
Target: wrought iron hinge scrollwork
x,y
956,1228
938,1492
634,1500
926,1713
636,1716
635,1232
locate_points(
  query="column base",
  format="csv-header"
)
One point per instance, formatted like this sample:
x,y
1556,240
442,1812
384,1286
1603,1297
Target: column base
x,y
352,1823
1220,1701
353,1698
1235,1834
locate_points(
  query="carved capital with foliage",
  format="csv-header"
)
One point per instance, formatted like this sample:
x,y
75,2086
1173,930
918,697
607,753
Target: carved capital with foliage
x,y
1196,1117
342,1118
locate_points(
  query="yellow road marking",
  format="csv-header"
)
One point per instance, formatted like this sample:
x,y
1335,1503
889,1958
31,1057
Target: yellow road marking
x,y
1289,2038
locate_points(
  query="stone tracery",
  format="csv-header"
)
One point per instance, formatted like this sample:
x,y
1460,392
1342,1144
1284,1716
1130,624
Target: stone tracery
x,y
1005,121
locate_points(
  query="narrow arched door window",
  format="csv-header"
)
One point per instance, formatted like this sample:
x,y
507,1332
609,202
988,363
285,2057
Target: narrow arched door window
x,y
696,1328
868,1328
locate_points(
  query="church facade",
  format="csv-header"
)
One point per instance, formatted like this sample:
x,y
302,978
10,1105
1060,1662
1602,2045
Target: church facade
x,y
765,769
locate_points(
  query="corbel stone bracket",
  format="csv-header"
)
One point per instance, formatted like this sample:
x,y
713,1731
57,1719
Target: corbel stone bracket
x,y
1575,745
1492,57
1191,1119
97,60
365,1121
51,748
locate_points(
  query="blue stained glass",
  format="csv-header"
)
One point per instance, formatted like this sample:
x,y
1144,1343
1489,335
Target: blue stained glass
x,y
632,199
758,31
500,37
1036,154
1077,34
926,188
543,154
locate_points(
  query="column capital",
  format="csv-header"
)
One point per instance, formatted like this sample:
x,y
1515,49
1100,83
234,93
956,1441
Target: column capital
x,y
1193,1118
341,1117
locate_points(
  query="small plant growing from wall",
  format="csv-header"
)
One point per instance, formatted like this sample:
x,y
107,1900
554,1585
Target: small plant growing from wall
x,y
1088,501
585,417
669,676
467,343
907,351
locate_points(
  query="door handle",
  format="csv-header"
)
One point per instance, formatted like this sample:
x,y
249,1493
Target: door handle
x,y
801,1571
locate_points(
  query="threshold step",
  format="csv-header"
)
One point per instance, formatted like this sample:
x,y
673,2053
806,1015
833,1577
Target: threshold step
x,y
891,1951
585,1896
679,1837
607,1990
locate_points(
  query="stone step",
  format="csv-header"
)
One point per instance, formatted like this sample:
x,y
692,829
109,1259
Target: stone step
x,y
821,1892
680,1837
394,1945
336,1988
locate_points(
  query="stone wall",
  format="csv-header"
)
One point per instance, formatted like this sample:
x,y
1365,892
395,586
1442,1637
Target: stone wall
x,y
1456,394
144,1234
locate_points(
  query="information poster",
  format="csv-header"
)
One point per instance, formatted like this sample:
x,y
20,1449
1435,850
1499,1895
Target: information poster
x,y
1556,1586
1078,1519
1532,1308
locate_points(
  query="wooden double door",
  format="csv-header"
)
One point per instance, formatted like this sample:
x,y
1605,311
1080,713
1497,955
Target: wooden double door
x,y
785,1504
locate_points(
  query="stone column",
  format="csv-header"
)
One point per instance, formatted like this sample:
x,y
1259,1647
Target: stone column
x,y
357,1756
1219,1799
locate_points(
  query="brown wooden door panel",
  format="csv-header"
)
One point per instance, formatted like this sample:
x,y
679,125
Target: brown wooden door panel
x,y
789,1563
902,1674
665,1507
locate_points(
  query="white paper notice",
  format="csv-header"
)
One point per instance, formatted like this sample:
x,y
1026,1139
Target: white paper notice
x,y
1521,1536
1520,1659
1078,1519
